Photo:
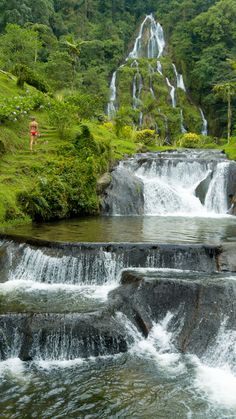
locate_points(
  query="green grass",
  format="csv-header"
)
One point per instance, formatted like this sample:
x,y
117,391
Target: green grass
x,y
20,170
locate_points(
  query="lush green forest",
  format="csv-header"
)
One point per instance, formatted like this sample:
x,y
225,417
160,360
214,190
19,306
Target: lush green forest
x,y
78,44
56,61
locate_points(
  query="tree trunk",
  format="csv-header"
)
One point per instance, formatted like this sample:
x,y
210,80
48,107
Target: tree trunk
x,y
229,115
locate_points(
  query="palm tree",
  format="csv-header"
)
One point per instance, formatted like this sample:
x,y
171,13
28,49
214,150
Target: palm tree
x,y
226,91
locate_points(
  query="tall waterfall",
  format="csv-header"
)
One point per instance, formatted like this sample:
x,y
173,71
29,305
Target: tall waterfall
x,y
111,107
176,183
172,92
204,123
155,44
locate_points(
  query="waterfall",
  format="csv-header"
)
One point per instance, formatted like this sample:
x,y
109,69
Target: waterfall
x,y
156,42
182,127
172,92
151,72
179,79
137,88
204,123
176,184
111,107
159,68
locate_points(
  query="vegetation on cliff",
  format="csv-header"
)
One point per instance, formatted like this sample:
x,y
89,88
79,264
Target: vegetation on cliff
x,y
56,61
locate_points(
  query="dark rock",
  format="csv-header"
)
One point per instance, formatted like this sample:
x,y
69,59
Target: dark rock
x,y
4,263
52,336
227,258
202,188
198,307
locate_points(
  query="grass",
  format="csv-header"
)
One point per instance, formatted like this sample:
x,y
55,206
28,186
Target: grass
x,y
20,169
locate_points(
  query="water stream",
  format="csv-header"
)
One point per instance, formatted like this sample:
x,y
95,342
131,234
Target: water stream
x,y
69,349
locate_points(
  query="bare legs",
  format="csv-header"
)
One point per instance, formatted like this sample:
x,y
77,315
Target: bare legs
x,y
33,140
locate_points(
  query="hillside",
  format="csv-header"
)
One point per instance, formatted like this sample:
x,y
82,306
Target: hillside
x,y
78,45
58,62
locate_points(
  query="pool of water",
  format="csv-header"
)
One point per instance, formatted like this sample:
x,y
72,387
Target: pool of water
x,y
164,229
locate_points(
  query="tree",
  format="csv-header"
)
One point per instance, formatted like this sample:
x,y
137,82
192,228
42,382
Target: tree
x,y
19,46
226,91
73,49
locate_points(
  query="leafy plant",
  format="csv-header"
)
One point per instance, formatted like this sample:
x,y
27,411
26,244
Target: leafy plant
x,y
147,137
62,116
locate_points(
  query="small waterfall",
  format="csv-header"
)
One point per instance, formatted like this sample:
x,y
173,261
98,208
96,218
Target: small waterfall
x,y
137,88
159,68
179,79
182,127
151,72
204,123
172,92
111,107
175,184
216,200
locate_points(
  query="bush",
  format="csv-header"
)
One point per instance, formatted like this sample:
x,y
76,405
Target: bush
x,y
62,116
190,140
26,75
147,137
16,107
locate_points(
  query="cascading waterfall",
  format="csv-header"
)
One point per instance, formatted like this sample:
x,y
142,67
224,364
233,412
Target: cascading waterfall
x,y
179,183
111,107
204,123
149,44
154,48
159,68
179,79
182,127
151,72
172,92
156,42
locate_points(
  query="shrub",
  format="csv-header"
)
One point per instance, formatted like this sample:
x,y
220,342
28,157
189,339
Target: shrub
x,y
17,107
26,75
62,116
190,140
147,137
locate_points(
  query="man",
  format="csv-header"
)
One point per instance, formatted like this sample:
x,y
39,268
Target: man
x,y
33,127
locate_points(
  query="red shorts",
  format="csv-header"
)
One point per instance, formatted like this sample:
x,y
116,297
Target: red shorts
x,y
33,133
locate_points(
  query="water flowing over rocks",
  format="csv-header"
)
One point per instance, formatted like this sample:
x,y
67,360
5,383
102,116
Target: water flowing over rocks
x,y
189,181
52,336
198,306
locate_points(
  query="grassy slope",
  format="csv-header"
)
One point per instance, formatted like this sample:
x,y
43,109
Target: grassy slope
x,y
20,169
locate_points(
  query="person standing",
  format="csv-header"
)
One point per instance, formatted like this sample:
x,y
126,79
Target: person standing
x,y
33,127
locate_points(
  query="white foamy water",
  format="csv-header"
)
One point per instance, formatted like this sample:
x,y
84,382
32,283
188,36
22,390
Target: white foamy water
x,y
93,291
37,266
186,186
159,347
217,384
14,368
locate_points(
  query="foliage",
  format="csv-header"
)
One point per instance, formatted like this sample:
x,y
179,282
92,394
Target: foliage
x,y
190,140
147,137
26,75
87,106
19,45
17,107
62,116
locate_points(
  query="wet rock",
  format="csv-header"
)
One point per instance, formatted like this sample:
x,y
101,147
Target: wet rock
x,y
54,336
4,264
202,188
198,307
227,258
103,182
